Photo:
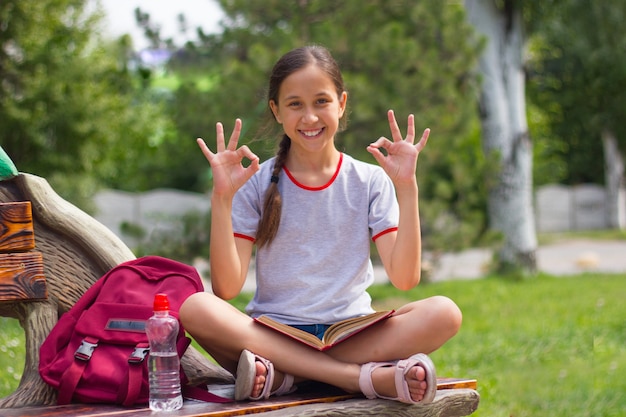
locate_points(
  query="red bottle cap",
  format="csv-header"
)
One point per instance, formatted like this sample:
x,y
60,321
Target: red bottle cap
x,y
161,303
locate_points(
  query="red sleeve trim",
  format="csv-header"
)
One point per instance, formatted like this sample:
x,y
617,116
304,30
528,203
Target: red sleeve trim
x,y
384,232
250,238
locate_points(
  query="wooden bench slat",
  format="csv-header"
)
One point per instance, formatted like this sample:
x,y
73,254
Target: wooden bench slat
x,y
16,227
22,277
451,402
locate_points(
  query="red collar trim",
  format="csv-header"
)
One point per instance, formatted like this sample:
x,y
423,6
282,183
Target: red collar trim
x,y
328,184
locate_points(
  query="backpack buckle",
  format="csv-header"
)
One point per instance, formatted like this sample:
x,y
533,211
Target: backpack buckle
x,y
85,350
139,354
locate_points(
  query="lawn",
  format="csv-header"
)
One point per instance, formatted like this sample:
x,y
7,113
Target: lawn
x,y
540,347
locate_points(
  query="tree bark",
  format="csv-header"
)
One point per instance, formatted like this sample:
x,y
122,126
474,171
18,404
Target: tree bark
x,y
505,130
614,176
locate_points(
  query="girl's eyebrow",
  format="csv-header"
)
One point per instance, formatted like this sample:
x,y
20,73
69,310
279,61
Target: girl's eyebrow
x,y
321,93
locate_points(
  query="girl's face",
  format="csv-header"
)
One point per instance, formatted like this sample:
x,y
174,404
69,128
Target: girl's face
x,y
309,109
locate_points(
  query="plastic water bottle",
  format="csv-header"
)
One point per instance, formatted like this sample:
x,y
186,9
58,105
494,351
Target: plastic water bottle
x,y
163,362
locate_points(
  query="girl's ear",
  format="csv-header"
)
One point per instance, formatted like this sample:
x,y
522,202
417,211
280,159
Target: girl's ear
x,y
274,108
343,100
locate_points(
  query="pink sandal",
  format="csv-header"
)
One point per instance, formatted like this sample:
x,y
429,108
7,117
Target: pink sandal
x,y
246,372
402,387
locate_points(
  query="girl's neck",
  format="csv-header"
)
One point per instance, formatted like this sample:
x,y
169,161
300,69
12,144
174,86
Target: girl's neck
x,y
313,169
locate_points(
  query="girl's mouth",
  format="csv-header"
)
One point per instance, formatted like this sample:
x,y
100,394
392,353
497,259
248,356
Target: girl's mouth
x,y
312,133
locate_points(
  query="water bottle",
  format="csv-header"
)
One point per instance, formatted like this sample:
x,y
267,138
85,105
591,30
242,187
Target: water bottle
x,y
163,361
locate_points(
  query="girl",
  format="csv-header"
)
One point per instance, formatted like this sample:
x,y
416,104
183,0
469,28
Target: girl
x,y
311,212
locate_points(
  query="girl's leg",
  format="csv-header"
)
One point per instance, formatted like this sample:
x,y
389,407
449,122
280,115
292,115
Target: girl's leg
x,y
419,327
223,331
422,326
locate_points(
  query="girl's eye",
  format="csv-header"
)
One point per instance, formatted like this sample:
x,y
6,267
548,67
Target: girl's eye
x,y
294,104
322,101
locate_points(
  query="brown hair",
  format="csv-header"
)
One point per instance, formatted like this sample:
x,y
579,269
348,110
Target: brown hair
x,y
288,64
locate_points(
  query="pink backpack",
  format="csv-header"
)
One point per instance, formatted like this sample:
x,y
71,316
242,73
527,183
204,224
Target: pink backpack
x,y
97,352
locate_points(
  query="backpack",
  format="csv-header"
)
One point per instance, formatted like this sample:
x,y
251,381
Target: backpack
x,y
97,351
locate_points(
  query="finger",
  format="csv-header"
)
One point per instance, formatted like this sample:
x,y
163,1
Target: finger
x,y
382,142
410,132
245,152
205,149
234,137
393,125
422,143
377,154
219,129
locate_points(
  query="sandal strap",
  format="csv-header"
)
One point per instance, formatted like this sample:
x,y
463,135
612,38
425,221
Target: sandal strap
x,y
286,387
402,388
365,379
269,379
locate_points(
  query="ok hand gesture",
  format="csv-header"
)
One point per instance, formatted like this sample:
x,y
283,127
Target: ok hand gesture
x,y
229,174
400,158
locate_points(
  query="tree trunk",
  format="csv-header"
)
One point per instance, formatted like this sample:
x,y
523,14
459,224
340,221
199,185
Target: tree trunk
x,y
614,176
505,130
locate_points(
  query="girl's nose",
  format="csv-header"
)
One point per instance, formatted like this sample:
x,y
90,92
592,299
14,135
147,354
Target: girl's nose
x,y
309,116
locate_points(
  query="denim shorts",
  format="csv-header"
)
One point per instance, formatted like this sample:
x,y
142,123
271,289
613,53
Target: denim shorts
x,y
316,330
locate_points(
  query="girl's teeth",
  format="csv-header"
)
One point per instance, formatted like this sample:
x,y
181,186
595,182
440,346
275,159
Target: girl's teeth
x,y
311,134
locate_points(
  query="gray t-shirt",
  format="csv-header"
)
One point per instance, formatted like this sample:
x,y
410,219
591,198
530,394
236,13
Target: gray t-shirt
x,y
318,267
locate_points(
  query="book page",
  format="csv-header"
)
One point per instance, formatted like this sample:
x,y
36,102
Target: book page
x,y
336,333
346,328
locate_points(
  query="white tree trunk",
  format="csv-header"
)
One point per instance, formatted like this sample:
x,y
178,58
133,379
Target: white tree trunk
x,y
614,176
505,130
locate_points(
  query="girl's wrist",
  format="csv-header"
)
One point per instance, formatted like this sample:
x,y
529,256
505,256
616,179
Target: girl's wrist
x,y
221,200
406,186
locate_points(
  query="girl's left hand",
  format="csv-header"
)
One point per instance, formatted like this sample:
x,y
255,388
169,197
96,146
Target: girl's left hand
x,y
400,158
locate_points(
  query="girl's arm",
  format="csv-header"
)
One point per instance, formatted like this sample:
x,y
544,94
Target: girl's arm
x,y
230,256
401,251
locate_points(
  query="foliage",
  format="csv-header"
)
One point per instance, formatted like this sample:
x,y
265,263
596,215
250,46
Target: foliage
x,y
578,77
69,107
184,239
419,59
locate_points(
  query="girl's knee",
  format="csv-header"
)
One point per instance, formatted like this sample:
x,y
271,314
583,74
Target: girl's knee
x,y
449,315
195,309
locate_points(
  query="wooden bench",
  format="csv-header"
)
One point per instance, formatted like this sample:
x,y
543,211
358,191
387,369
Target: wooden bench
x,y
71,250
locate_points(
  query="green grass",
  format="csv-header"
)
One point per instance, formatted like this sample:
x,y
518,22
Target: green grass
x,y
607,234
11,355
538,347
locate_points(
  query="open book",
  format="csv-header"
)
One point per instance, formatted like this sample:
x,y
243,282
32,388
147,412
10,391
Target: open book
x,y
335,334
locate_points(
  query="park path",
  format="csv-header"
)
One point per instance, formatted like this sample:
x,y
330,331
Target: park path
x,y
561,259
564,258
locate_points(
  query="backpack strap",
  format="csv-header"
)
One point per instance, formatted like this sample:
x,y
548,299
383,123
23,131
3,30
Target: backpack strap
x,y
72,375
131,388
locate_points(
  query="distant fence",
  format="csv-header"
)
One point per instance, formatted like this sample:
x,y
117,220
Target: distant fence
x,y
159,209
557,208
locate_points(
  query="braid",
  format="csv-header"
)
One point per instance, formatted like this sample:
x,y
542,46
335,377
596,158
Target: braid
x,y
272,206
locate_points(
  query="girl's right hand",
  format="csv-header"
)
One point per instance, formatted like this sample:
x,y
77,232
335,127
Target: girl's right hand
x,y
229,174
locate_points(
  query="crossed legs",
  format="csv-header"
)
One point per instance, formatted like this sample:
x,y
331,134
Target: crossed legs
x,y
418,327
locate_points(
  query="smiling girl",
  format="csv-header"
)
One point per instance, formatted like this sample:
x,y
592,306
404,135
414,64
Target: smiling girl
x,y
311,212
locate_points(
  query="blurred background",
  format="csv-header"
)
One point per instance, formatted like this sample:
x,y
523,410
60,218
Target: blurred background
x,y
103,96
